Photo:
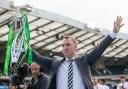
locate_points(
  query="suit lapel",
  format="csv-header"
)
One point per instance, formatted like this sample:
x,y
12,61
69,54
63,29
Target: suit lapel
x,y
55,65
79,61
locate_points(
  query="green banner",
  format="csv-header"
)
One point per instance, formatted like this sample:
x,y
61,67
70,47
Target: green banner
x,y
8,50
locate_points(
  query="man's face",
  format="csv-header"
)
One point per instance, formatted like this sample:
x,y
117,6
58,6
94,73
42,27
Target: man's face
x,y
69,47
122,80
101,82
35,69
95,81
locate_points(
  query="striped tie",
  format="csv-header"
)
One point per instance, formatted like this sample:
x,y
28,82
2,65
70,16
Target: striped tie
x,y
70,75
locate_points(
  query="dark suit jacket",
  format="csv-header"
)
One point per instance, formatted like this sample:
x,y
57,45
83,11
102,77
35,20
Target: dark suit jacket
x,y
40,84
83,62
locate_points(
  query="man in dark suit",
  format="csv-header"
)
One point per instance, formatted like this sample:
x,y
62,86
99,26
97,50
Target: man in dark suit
x,y
39,80
73,71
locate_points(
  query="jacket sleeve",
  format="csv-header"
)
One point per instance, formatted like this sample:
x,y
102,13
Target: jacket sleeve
x,y
43,61
93,56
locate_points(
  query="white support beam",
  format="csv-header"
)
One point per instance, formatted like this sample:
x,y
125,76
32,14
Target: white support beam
x,y
62,19
47,15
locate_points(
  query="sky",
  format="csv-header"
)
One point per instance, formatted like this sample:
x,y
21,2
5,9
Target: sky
x,y
95,13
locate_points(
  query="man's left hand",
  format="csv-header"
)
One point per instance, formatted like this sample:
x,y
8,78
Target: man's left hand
x,y
117,24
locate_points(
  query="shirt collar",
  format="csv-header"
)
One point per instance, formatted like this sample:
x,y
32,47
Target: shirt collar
x,y
67,59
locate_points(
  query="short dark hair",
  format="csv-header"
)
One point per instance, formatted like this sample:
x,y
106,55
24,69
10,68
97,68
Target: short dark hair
x,y
122,76
73,39
103,80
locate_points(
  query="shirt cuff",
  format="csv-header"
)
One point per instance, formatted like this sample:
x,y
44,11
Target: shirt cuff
x,y
113,35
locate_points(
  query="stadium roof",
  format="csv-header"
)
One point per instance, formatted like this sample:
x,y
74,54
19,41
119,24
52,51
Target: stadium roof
x,y
47,29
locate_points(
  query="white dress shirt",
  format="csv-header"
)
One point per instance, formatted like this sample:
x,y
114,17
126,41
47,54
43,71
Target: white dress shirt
x,y
124,84
62,76
106,87
98,86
